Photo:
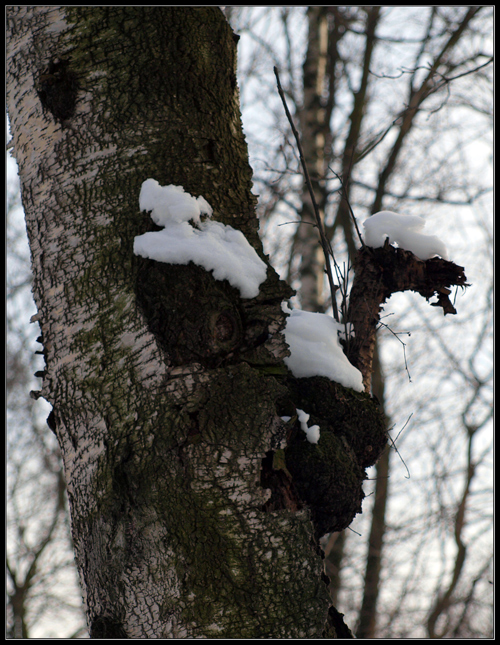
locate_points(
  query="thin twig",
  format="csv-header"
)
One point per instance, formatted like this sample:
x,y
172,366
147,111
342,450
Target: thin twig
x,y
296,221
406,423
397,335
399,455
322,236
346,198
393,442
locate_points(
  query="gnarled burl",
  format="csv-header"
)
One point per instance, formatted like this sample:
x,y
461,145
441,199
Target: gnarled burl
x,y
327,477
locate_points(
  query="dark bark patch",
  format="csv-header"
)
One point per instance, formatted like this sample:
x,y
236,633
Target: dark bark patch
x,y
52,421
224,327
336,625
104,627
278,480
328,479
195,317
57,89
348,414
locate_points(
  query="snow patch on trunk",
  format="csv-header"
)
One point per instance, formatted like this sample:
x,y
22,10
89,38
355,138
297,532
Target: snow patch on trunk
x,y
186,238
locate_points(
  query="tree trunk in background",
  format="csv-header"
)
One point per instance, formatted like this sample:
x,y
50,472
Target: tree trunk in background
x,y
316,139
352,142
327,26
368,613
167,388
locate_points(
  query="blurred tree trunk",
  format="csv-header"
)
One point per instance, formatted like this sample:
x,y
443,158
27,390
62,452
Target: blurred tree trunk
x,y
326,28
167,388
368,613
316,137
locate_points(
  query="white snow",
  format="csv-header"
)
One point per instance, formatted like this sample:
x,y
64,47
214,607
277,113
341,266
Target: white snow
x,y
315,349
405,231
171,204
214,246
312,433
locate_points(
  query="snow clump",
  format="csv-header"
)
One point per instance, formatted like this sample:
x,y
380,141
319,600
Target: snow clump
x,y
185,238
315,349
171,204
312,433
405,231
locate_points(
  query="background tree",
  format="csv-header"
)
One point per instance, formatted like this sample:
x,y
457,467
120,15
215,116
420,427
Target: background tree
x,y
43,593
167,388
385,99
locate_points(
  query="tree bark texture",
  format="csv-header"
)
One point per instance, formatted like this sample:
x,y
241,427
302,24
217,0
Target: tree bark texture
x,y
191,514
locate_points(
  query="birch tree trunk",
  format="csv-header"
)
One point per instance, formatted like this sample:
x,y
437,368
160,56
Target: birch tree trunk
x,y
167,388
316,140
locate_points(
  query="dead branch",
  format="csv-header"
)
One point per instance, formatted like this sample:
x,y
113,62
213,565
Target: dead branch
x,y
378,274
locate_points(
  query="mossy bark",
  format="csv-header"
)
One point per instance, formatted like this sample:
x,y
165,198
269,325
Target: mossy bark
x,y
166,386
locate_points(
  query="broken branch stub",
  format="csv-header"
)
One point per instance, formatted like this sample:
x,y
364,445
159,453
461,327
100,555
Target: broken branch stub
x,y
378,274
